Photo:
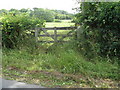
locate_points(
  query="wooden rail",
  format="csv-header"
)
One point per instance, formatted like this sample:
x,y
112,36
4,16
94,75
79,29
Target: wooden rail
x,y
55,35
59,28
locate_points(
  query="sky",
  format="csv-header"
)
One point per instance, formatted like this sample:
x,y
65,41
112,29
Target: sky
x,y
66,5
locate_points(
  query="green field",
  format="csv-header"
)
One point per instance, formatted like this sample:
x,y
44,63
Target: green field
x,y
63,23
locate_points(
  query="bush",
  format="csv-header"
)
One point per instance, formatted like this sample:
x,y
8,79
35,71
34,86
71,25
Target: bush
x,y
101,29
14,28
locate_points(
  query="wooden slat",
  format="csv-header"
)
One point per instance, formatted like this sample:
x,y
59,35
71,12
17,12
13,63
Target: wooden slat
x,y
48,34
57,28
46,41
57,35
36,34
60,28
66,35
51,41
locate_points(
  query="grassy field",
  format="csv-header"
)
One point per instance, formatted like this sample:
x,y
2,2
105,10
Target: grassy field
x,y
63,23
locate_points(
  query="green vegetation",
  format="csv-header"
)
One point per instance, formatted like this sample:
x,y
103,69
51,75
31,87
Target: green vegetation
x,y
100,23
61,65
42,14
14,29
62,23
91,60
62,15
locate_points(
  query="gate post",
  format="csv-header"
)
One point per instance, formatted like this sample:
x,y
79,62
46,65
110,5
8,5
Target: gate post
x,y
36,34
79,32
55,34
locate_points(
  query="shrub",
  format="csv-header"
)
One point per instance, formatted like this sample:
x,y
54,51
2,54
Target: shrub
x,y
14,28
101,29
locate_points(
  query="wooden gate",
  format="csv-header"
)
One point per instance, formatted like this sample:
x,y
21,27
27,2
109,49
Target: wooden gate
x,y
55,35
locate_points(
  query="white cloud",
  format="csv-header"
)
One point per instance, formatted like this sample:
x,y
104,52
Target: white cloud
x,y
51,4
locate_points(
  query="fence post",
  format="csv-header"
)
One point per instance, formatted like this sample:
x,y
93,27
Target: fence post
x,y
55,34
36,33
79,32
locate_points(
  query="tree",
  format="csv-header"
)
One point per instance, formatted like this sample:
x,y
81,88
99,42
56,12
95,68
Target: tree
x,y
44,14
61,14
23,10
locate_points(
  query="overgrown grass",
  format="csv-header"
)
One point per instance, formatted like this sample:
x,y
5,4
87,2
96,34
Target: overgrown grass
x,y
67,60
60,60
60,65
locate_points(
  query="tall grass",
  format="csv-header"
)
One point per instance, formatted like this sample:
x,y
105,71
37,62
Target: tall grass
x,y
62,58
67,60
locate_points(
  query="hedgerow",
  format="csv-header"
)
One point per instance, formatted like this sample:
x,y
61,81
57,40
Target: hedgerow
x,y
100,23
14,28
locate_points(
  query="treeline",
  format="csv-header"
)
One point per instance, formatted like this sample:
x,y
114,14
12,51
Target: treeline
x,y
40,13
